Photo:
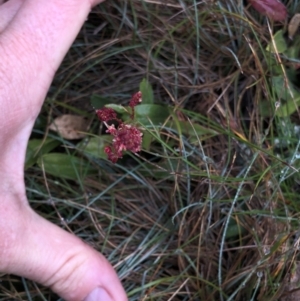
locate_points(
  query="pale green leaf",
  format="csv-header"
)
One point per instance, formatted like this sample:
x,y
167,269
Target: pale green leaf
x,y
65,166
37,148
94,146
147,92
279,41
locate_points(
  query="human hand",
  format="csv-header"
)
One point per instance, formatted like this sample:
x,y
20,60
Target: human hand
x,y
34,37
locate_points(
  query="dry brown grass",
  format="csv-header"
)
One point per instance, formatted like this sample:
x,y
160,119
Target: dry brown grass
x,y
223,225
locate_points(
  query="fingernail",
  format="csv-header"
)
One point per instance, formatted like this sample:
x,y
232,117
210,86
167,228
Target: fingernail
x,y
98,294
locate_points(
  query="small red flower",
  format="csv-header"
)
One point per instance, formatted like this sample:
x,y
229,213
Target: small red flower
x,y
111,129
111,155
126,137
106,114
135,99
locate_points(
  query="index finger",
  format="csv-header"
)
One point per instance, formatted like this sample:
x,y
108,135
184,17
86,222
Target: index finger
x,y
32,47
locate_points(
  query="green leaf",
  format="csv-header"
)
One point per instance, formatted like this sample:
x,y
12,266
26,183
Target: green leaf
x,y
234,230
146,141
288,108
265,108
37,148
98,101
279,42
95,146
273,65
147,92
118,108
148,114
65,166
284,89
293,51
288,94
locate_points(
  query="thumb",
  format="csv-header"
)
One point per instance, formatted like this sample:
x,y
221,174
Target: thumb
x,y
51,256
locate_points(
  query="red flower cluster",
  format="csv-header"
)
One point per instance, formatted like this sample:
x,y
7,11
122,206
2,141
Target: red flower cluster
x,y
126,136
106,114
135,99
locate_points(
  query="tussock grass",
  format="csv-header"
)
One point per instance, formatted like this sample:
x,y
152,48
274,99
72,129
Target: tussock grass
x,y
215,218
